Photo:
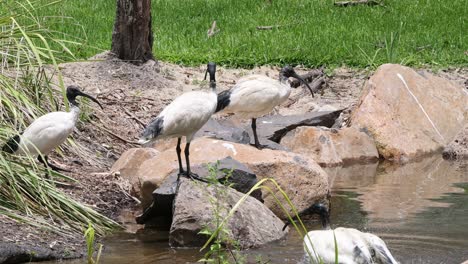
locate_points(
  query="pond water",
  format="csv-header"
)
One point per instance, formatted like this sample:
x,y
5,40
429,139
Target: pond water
x,y
420,209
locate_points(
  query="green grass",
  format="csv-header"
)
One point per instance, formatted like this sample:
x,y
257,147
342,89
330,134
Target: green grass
x,y
313,32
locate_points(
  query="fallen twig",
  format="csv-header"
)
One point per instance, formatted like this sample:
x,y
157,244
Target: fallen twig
x,y
277,26
358,2
213,30
133,116
308,77
228,82
113,134
268,27
315,86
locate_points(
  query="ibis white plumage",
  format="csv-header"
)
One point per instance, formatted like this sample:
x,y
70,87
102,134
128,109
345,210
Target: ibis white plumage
x,y
48,131
183,117
354,246
256,95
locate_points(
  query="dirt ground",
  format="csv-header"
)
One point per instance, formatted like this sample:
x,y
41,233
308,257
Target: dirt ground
x,y
131,96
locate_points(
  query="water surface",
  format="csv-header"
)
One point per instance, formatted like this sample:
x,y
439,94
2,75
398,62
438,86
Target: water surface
x,y
420,209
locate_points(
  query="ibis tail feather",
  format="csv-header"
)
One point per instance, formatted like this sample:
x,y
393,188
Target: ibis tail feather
x,y
154,129
12,145
224,99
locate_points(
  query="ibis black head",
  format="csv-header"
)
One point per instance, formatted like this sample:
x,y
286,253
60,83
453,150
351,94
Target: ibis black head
x,y
211,69
288,71
318,208
323,211
73,91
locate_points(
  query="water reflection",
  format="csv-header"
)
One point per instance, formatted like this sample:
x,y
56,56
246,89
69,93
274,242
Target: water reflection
x,y
419,209
389,191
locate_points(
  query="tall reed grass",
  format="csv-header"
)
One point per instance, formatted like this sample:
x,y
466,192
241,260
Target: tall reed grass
x,y
27,90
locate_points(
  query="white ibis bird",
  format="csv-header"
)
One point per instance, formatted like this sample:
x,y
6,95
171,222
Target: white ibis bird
x,y
354,246
256,95
48,131
183,117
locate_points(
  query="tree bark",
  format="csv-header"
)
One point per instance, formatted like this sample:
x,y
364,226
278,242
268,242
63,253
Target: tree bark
x,y
132,38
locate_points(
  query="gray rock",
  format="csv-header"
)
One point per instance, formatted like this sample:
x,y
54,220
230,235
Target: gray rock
x,y
271,129
224,130
13,253
252,225
241,178
159,213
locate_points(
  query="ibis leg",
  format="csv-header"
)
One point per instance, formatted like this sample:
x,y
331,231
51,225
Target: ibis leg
x,y
254,129
189,173
181,169
46,163
187,159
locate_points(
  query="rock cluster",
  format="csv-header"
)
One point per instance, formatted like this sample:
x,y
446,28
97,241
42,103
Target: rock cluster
x,y
401,116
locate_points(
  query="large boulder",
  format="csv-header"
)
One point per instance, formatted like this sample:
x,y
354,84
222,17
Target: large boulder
x,y
458,148
129,163
198,205
331,147
300,177
409,113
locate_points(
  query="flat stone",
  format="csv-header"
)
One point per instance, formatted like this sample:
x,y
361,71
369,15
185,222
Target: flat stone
x,y
224,130
13,253
273,128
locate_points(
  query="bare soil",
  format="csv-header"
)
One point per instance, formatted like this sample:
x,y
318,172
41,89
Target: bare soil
x,y
131,96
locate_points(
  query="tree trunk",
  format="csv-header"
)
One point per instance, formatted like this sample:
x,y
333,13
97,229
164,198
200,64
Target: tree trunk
x,y
132,38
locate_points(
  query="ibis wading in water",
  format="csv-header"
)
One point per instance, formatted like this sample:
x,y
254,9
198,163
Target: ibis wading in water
x,y
256,95
354,246
48,131
183,117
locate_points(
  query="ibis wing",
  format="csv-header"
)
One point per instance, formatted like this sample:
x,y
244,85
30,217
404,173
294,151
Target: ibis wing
x,y
254,96
352,247
46,133
188,113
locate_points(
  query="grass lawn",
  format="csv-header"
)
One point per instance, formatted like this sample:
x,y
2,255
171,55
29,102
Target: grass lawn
x,y
311,32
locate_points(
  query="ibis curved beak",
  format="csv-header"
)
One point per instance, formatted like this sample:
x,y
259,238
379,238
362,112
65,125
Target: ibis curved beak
x,y
206,73
211,69
91,98
295,75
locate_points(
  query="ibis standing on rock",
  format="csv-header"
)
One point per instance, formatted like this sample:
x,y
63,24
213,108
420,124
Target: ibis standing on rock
x,y
354,246
183,117
256,95
48,131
